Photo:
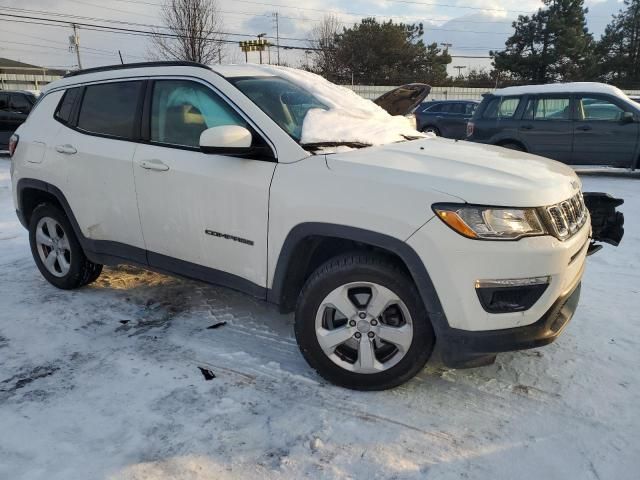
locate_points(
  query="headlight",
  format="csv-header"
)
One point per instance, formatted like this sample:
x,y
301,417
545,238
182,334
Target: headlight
x,y
491,223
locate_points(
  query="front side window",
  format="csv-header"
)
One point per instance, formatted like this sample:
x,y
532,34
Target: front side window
x,y
285,102
110,109
594,108
4,101
181,110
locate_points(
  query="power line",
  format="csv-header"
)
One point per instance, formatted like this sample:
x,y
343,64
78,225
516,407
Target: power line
x,y
129,31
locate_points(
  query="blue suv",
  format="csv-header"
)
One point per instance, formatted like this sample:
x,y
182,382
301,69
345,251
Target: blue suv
x,y
446,118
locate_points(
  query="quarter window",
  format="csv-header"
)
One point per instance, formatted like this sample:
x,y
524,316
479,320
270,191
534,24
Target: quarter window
x,y
508,107
65,108
181,110
502,107
110,109
591,108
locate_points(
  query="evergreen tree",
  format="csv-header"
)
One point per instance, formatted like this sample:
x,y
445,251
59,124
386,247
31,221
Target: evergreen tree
x,y
385,54
553,44
619,47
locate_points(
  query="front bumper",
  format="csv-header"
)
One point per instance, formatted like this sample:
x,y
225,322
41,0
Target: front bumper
x,y
464,348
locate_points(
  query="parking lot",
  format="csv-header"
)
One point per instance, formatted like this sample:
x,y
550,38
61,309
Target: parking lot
x,y
144,376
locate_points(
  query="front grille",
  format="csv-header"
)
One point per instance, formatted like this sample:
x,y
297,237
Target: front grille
x,y
567,217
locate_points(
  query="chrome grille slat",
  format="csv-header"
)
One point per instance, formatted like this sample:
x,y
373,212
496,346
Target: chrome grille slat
x,y
568,217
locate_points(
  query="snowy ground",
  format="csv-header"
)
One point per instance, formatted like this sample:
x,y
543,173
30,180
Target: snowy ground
x,y
104,383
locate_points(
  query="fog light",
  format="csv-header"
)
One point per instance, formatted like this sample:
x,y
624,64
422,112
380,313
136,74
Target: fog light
x,y
510,295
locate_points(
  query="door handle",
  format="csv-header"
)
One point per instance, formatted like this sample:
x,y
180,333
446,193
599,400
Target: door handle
x,y
584,128
526,127
156,165
66,149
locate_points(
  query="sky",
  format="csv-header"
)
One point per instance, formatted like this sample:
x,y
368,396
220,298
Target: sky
x,y
472,27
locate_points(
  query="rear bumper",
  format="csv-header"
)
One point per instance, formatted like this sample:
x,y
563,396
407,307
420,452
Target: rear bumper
x,y
464,348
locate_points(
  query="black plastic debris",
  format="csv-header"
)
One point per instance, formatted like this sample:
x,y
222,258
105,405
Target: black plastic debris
x,y
216,325
207,374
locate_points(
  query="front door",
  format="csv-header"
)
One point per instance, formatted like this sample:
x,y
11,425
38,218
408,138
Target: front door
x,y
603,136
204,215
546,126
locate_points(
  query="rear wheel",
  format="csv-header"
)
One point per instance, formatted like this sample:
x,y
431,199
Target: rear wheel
x,y
360,323
56,250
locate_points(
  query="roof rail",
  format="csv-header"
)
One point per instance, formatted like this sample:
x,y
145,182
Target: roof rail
x,y
106,68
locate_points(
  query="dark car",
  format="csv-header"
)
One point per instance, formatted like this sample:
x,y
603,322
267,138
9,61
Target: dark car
x,y
446,118
14,108
575,123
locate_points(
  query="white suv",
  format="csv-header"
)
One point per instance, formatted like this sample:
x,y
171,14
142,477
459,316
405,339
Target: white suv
x,y
279,184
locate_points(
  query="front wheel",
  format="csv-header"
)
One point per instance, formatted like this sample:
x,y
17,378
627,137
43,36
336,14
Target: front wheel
x,y
361,324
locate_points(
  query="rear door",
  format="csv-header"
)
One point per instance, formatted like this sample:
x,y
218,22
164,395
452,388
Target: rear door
x,y
547,126
95,146
455,121
603,136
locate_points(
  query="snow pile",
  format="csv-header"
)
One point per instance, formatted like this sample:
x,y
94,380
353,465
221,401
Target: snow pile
x,y
350,118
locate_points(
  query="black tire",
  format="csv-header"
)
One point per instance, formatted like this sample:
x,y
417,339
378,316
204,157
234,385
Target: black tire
x,y
513,146
82,271
431,128
362,267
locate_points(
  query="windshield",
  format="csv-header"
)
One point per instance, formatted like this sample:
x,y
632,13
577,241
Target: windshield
x,y
285,102
317,113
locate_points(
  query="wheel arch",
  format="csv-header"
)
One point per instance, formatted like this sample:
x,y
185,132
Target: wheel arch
x,y
506,141
310,244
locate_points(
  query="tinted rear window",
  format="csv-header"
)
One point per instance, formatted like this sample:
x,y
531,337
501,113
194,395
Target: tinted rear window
x,y
65,107
110,109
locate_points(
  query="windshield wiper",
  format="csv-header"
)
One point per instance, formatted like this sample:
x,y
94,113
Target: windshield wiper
x,y
321,145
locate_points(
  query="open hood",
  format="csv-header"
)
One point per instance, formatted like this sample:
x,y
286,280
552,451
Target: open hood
x,y
403,100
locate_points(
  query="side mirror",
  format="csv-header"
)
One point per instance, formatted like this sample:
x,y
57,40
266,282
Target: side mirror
x,y
226,139
628,117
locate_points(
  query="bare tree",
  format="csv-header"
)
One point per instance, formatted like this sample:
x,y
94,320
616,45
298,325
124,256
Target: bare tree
x,y
192,32
323,43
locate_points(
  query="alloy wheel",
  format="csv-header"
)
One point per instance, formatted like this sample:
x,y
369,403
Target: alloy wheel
x,y
364,327
53,246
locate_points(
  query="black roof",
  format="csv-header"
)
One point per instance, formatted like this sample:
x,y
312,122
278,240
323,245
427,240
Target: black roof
x,y
123,66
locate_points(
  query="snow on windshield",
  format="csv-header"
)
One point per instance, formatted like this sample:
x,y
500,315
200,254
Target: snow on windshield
x,y
350,118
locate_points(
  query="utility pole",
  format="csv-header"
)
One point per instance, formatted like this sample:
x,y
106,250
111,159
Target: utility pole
x,y
446,46
275,19
74,44
459,68
260,37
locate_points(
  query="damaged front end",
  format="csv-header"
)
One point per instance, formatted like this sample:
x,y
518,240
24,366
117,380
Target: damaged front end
x,y
607,224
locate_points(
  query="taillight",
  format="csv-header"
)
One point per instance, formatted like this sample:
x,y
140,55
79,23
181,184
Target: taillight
x,y
13,143
470,127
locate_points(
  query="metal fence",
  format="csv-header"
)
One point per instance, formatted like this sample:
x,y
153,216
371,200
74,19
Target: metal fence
x,y
372,92
25,81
